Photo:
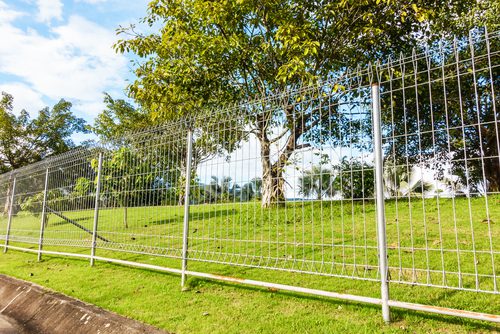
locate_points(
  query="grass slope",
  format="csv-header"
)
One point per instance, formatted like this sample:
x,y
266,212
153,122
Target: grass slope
x,y
328,238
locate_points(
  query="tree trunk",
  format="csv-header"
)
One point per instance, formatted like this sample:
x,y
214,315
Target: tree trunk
x,y
491,162
273,183
273,187
181,187
125,216
492,171
7,203
8,198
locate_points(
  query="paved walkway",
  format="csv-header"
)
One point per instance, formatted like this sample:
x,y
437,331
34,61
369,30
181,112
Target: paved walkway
x,y
7,326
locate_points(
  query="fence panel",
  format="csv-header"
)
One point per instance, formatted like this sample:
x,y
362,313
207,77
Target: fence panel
x,y
27,205
142,192
286,182
70,199
442,168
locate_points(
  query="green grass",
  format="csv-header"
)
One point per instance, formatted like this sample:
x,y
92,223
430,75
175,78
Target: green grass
x,y
327,238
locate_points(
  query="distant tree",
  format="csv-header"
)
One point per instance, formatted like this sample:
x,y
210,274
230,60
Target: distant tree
x,y
246,192
317,182
396,177
398,181
220,190
354,179
25,140
454,185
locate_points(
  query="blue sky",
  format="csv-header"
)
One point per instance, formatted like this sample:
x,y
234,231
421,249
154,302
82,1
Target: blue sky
x,y
53,49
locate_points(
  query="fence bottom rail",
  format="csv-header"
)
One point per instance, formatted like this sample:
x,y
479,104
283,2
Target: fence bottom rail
x,y
283,287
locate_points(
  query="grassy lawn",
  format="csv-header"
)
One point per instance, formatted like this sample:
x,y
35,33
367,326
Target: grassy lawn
x,y
441,242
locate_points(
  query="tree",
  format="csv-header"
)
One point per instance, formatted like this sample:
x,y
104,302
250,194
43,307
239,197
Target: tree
x,y
220,189
256,183
354,179
25,140
454,185
211,53
118,119
317,182
123,124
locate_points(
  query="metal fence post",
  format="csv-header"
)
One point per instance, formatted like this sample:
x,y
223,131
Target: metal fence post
x,y
96,210
379,197
44,211
185,240
9,221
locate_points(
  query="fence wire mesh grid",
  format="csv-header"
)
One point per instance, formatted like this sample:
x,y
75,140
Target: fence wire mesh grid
x,y
288,181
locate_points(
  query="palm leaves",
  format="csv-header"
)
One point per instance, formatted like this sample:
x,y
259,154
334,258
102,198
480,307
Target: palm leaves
x,y
354,179
398,181
317,182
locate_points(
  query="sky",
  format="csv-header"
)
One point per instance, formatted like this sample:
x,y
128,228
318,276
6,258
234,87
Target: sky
x,y
54,49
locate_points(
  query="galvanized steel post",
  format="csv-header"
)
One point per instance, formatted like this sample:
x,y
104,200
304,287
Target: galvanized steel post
x,y
96,210
9,221
44,210
185,240
379,197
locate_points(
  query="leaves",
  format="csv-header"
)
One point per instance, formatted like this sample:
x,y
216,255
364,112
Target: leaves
x,y
212,53
24,140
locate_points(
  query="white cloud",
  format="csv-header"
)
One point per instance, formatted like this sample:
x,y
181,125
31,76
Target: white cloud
x,y
76,62
49,10
24,97
8,15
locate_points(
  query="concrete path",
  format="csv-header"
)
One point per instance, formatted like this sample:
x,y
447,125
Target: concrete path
x,y
8,326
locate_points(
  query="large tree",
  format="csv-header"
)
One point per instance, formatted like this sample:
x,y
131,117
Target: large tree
x,y
209,53
25,140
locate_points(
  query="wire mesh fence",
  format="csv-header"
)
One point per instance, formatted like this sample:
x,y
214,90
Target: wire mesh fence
x,y
442,164
288,181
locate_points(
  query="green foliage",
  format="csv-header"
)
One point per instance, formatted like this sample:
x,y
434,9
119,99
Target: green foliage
x,y
462,106
215,52
119,118
24,140
354,179
223,190
34,203
131,178
83,187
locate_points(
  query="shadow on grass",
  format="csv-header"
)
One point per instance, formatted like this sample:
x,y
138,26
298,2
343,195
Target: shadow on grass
x,y
61,222
195,216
